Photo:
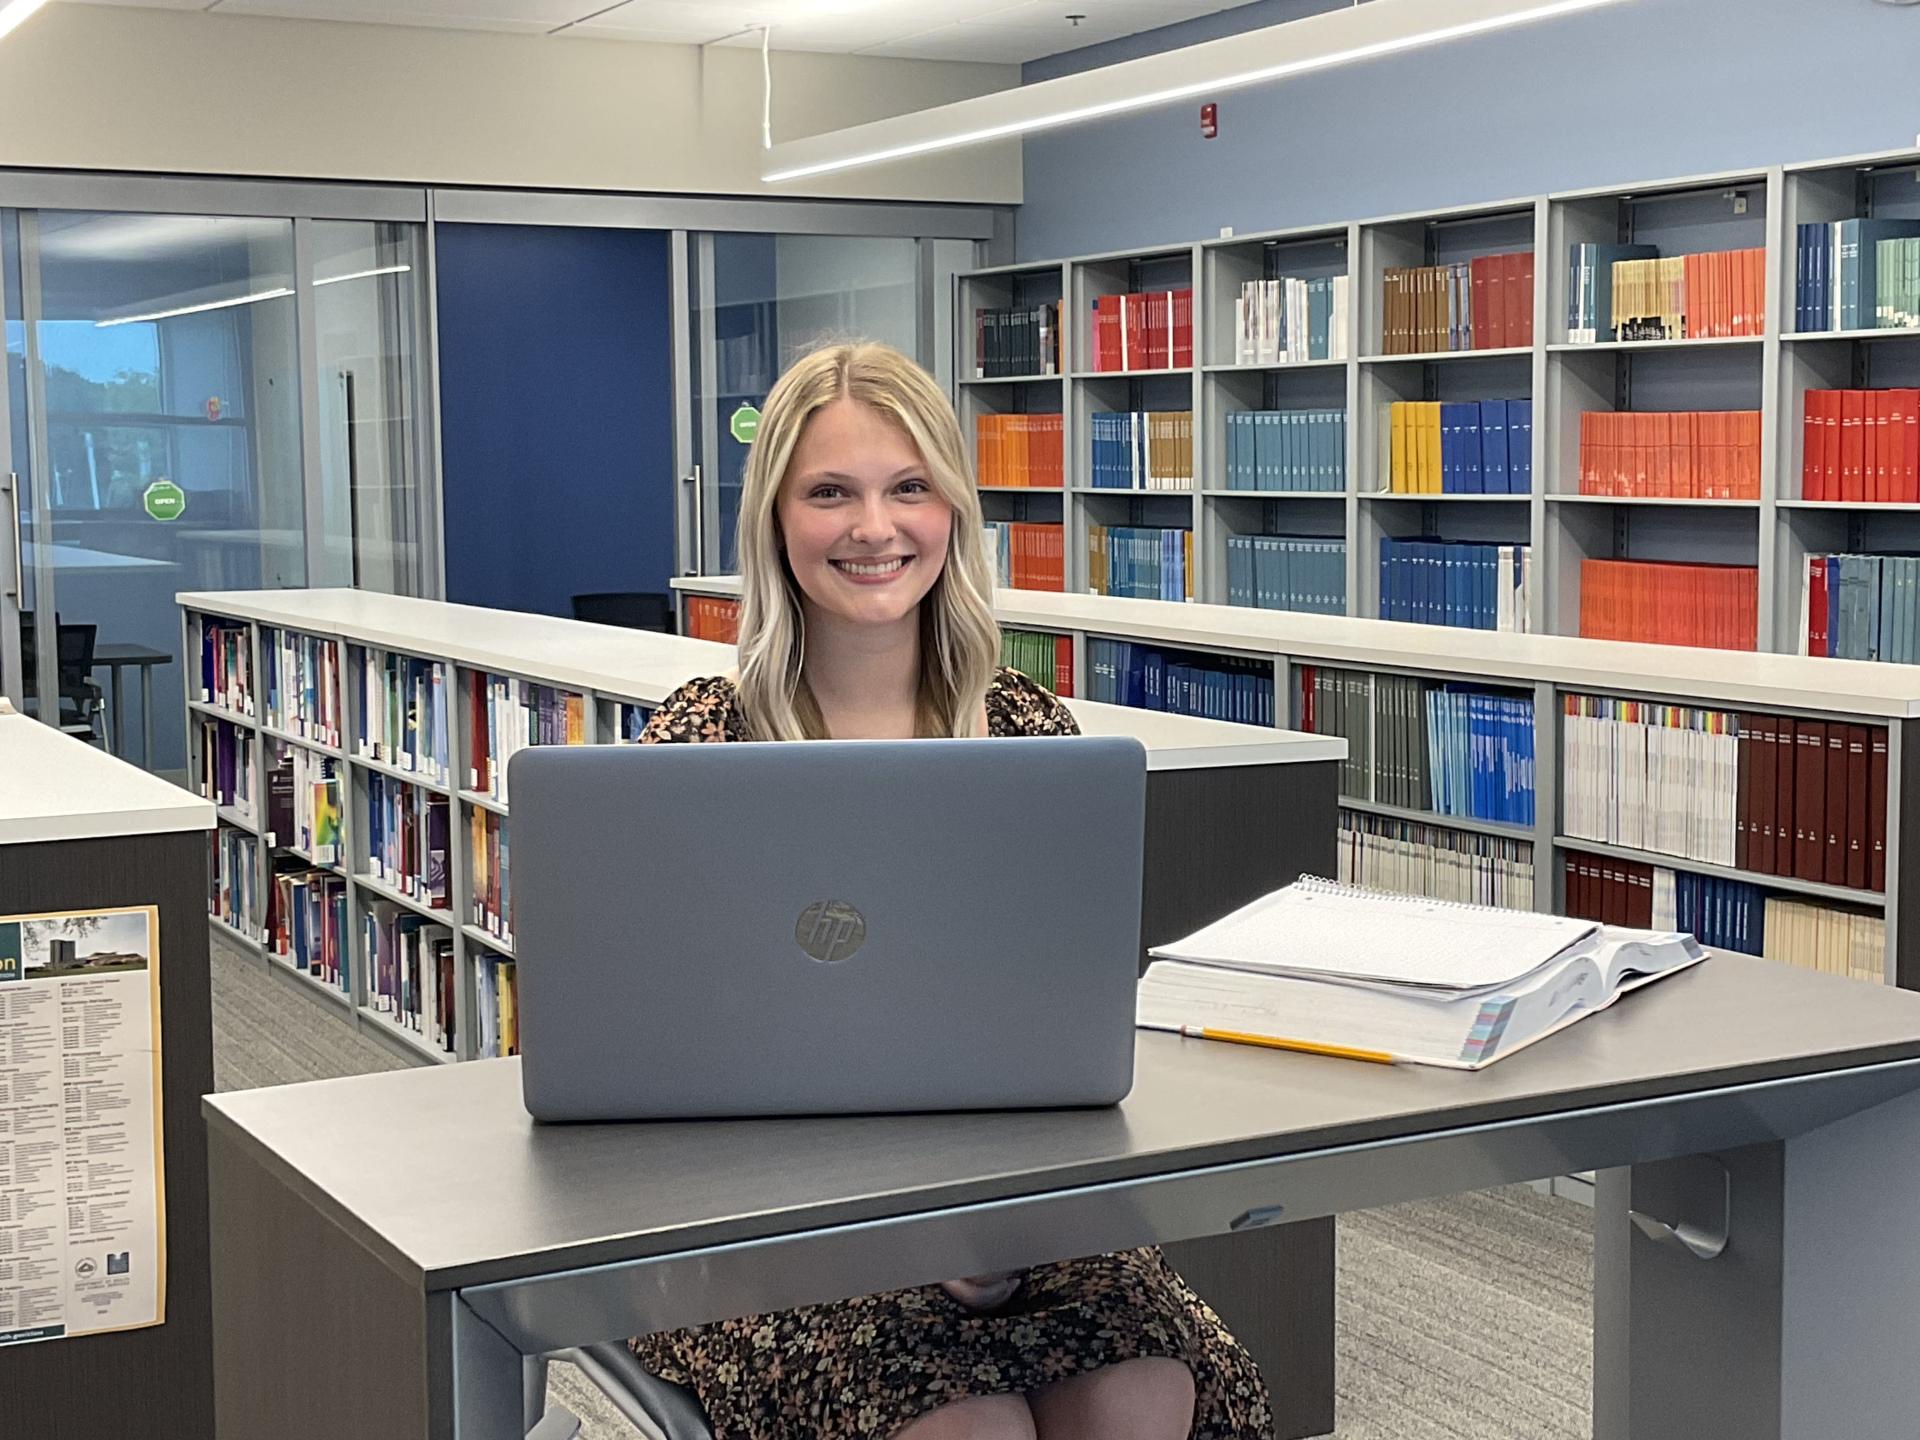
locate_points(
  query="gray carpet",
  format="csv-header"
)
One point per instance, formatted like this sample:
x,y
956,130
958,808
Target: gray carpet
x,y
1459,1319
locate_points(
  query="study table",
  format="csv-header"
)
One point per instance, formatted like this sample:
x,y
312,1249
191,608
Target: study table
x,y
392,1245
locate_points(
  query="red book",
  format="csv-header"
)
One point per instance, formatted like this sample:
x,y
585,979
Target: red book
x,y
1785,766
1816,605
1832,407
1743,805
1834,862
1063,665
1854,836
1810,433
1852,445
1877,808
1760,841
1523,302
1906,421
1810,800
1488,325
1873,469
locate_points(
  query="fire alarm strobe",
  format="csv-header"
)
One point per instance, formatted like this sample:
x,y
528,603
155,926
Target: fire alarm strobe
x,y
1209,121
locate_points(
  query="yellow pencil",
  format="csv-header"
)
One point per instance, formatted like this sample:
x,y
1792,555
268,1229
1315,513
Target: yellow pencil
x,y
1274,1042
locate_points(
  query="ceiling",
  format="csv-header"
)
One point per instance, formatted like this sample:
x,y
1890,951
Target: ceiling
x,y
1003,32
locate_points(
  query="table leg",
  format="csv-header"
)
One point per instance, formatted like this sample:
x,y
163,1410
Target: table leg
x,y
1802,1327
146,714
118,740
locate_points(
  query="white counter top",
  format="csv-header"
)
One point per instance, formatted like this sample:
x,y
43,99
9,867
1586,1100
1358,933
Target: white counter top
x,y
54,787
1723,677
647,666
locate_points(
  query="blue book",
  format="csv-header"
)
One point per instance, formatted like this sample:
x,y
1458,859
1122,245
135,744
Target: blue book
x,y
1472,467
1520,447
1493,447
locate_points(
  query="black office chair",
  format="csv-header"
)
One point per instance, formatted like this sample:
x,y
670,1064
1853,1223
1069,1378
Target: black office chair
x,y
634,609
82,703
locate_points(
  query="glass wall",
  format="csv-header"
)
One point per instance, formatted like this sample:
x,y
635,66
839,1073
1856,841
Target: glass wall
x,y
759,302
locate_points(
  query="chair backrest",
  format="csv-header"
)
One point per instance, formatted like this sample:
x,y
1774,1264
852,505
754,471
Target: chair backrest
x,y
75,644
635,609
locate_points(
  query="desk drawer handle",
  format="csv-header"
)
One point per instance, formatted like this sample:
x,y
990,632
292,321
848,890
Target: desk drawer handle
x,y
1697,1240
1260,1215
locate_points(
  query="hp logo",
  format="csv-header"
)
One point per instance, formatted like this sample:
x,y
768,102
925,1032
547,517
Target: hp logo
x,y
830,930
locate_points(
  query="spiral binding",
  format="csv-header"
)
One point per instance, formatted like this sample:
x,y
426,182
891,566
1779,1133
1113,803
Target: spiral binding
x,y
1320,885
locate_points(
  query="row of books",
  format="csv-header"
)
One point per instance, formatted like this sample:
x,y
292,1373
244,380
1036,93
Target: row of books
x,y
1021,341
410,973
1717,911
1668,603
1861,445
1026,554
1412,858
403,714
1685,454
1480,304
226,665
1467,447
1455,582
1857,274
1861,607
1764,793
1826,938
302,684
510,714
711,617
1018,452
496,1009
232,892
303,804
1045,659
1142,449
307,925
1145,331
490,863
1303,573
1120,672
226,767
1287,573
1140,562
1287,450
407,840
1632,292
1423,745
1289,321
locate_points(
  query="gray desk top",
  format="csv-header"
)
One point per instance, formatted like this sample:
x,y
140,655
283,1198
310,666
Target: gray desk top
x,y
441,1173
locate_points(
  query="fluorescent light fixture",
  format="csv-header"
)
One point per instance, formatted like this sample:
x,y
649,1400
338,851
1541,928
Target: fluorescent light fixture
x,y
16,14
228,304
364,274
1338,37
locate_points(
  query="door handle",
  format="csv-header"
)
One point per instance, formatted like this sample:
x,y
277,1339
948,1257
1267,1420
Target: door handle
x,y
698,509
19,551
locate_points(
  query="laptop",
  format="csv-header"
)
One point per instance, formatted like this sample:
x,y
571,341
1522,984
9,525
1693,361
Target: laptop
x,y
826,927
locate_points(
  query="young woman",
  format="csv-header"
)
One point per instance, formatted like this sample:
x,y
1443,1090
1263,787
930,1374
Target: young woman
x,y
867,613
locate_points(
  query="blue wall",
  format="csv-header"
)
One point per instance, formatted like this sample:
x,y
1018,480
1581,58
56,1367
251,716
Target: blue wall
x,y
556,396
1713,85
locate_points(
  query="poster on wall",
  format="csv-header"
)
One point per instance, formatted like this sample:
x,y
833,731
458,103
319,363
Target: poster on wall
x,y
82,1196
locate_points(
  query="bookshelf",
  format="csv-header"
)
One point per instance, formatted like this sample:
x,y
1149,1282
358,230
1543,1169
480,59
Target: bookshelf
x,y
517,679
1542,670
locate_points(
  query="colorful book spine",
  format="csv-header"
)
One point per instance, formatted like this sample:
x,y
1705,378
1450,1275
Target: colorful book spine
x,y
1686,454
1287,451
508,715
1016,342
489,859
226,768
1861,446
407,840
1120,672
1463,583
302,684
409,972
1143,331
711,617
1469,447
308,925
404,705
1019,452
1484,303
1026,555
1302,573
1412,858
226,666
1663,603
1141,449
1045,659
1288,320
497,1002
232,893
1140,562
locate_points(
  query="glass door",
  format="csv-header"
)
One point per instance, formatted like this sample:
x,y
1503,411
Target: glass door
x,y
153,396
758,302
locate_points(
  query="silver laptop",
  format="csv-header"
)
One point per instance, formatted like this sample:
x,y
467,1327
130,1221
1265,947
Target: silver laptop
x,y
826,927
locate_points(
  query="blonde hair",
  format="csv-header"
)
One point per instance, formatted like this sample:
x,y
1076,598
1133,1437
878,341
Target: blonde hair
x,y
959,638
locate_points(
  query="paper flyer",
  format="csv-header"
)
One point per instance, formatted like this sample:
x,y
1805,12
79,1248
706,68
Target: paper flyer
x,y
82,1196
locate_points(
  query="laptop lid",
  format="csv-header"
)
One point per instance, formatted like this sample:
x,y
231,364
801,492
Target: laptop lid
x,y
828,926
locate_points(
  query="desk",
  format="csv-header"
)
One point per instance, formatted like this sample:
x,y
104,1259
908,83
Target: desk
x,y
116,658
393,1244
80,830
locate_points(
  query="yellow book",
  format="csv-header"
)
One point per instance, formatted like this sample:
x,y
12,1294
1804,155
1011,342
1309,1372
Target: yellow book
x,y
509,1010
1430,414
1400,483
1186,543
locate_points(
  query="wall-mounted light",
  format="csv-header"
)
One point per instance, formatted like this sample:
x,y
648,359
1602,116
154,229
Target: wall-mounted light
x,y
1338,37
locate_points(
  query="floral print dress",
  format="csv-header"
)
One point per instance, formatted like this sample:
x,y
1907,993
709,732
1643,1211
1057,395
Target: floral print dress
x,y
862,1369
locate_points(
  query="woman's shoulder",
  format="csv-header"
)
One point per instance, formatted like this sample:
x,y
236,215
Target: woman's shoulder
x,y
702,710
1020,705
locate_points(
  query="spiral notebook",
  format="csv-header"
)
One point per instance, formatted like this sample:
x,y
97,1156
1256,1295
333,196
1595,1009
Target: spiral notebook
x,y
1337,968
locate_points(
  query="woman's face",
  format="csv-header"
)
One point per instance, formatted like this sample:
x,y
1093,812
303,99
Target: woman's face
x,y
866,535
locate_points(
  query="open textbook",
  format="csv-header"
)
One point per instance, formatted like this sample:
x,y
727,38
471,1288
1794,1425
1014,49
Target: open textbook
x,y
1434,982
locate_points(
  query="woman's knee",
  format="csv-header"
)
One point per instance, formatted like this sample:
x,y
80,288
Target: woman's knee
x,y
1151,1398
978,1417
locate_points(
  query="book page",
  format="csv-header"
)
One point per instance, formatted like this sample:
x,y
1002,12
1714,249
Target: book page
x,y
1341,932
